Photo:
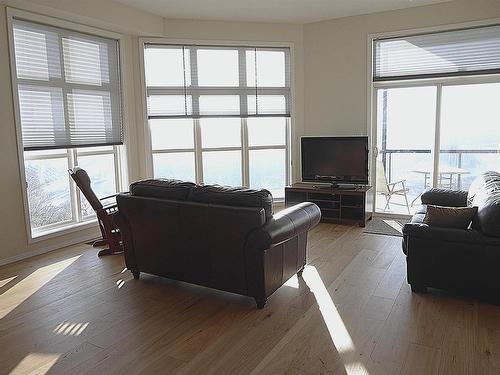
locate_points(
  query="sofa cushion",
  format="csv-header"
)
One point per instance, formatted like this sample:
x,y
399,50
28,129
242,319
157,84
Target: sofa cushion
x,y
233,196
449,217
162,188
485,194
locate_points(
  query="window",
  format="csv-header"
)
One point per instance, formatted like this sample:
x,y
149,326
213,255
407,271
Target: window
x,y
441,127
67,93
219,115
54,202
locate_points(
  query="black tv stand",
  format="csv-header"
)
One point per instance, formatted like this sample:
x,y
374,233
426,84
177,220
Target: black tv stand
x,y
342,205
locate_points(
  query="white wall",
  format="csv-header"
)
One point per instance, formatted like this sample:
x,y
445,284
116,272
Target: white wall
x,y
336,56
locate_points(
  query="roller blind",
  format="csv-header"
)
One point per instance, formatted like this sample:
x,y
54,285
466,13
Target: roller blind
x,y
451,53
214,81
68,87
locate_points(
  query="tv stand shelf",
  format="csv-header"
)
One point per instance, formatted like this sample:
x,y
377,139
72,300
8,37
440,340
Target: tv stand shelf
x,y
337,205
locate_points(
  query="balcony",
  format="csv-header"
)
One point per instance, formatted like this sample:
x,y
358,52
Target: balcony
x,y
457,170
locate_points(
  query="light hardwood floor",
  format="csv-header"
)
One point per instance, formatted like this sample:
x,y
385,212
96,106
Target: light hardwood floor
x,y
351,313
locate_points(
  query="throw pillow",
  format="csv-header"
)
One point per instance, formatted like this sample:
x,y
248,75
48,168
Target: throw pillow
x,y
449,217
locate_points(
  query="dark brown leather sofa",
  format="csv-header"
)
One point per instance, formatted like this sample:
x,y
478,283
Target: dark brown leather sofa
x,y
464,260
220,237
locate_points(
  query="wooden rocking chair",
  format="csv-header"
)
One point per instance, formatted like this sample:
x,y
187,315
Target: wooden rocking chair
x,y
110,232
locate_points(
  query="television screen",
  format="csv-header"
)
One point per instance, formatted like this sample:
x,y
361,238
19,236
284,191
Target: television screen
x,y
335,159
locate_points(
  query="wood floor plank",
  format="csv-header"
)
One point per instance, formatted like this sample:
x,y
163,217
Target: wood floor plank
x,y
421,360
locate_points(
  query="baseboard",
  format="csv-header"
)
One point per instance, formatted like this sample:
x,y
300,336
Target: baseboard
x,y
47,249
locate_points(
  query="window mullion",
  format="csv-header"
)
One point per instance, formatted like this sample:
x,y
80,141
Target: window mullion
x,y
118,169
288,159
74,191
195,102
244,153
64,89
195,98
437,136
242,62
198,154
242,68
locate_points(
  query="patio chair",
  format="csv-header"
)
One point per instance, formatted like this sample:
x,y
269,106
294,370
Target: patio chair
x,y
109,231
390,189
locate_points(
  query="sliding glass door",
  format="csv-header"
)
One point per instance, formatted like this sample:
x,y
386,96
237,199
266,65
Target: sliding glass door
x,y
469,133
406,119
440,135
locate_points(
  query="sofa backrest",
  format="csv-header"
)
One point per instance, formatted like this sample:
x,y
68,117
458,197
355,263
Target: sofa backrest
x,y
211,194
162,188
484,193
233,196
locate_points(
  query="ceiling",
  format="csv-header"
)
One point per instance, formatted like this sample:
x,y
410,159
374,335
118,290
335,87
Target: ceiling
x,y
293,11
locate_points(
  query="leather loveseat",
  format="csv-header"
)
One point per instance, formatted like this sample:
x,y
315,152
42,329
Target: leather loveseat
x,y
466,260
219,237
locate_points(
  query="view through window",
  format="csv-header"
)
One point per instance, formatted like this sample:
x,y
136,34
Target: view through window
x,y
219,114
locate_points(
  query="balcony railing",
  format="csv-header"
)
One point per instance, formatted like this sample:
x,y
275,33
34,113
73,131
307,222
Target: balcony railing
x,y
387,158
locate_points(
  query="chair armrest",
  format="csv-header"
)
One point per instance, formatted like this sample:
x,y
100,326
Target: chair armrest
x,y
444,197
396,182
287,224
112,195
110,206
469,236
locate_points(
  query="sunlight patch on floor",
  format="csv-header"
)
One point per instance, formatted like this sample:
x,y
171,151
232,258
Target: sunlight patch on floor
x,y
333,321
39,363
293,282
7,280
70,328
120,283
356,368
338,331
20,292
394,224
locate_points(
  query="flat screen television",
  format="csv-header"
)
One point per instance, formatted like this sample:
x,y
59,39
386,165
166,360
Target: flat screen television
x,y
336,160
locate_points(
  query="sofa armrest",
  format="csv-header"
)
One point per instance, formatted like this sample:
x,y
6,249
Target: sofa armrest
x,y
444,197
287,224
469,236
127,242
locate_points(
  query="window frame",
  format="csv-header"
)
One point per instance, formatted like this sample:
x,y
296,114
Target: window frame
x,y
438,82
70,226
198,149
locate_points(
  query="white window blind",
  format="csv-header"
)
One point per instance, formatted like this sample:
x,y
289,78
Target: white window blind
x,y
451,53
68,87
217,81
